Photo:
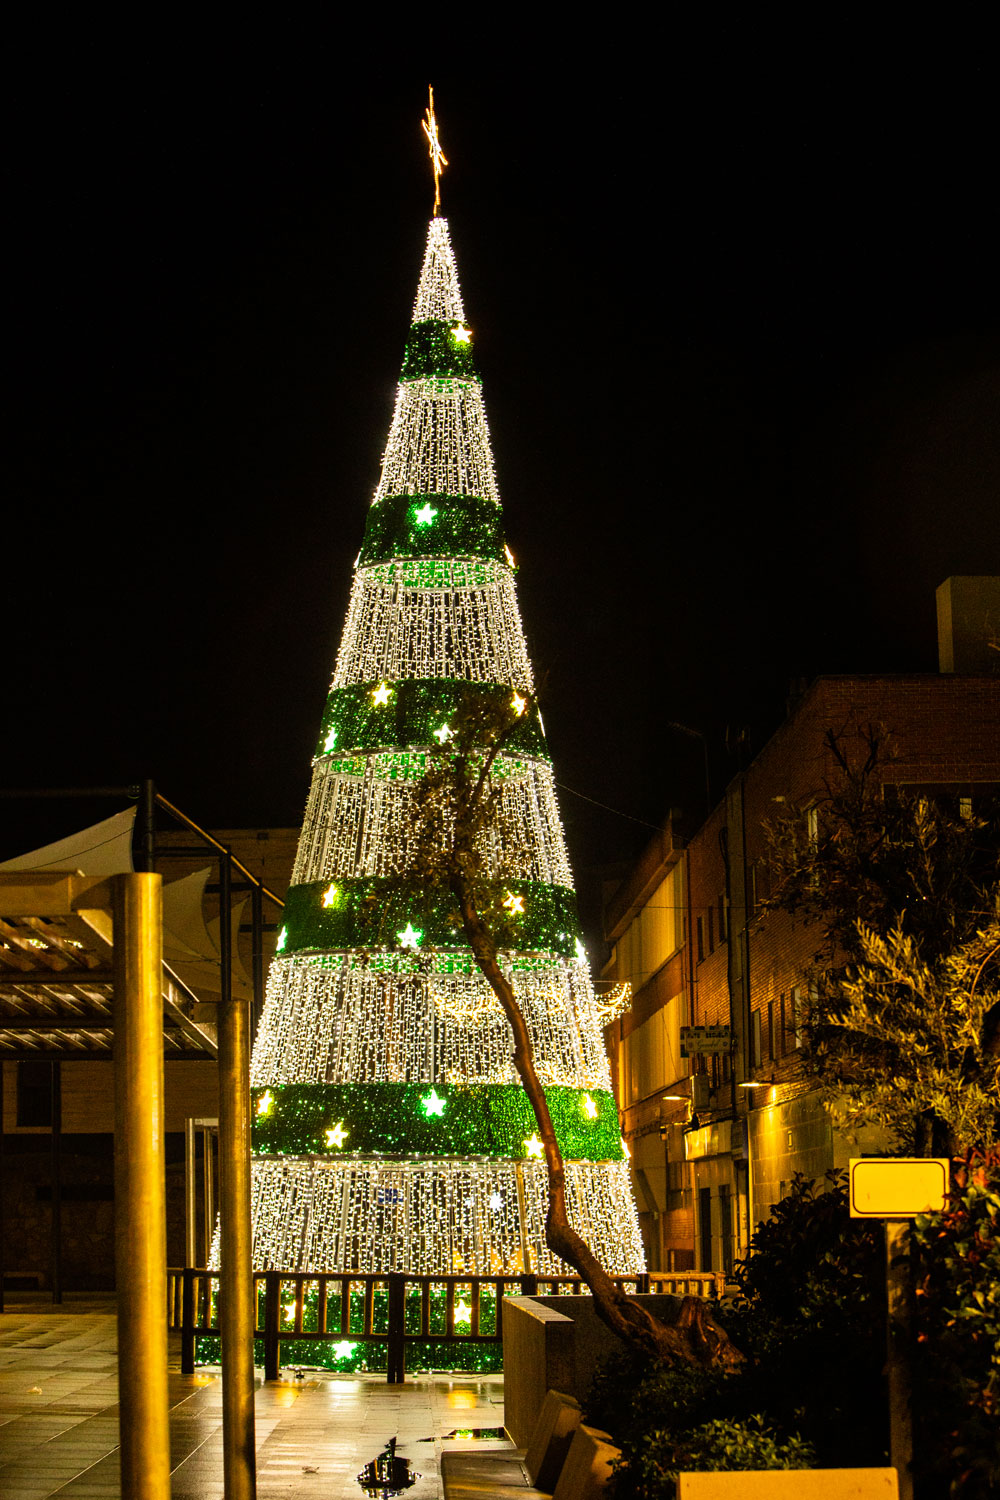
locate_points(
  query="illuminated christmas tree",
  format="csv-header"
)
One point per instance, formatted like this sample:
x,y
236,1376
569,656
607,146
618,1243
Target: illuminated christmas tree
x,y
391,1132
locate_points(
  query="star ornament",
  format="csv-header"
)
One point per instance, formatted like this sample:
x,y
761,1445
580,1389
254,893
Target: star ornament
x,y
279,946
518,704
589,1107
496,1201
381,695
442,735
514,904
330,895
337,1135
463,1312
533,1146
264,1102
289,1312
433,1105
331,739
460,334
344,1349
410,937
425,515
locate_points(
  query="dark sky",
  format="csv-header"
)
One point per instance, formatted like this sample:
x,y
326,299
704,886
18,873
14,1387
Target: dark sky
x,y
735,308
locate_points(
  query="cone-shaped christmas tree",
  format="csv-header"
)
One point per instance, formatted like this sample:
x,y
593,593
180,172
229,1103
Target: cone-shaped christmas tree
x,y
391,1132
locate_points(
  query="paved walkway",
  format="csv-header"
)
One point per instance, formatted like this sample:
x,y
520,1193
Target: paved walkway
x,y
59,1417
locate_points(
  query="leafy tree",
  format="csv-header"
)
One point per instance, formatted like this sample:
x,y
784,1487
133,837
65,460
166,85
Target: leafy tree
x,y
903,1026
451,847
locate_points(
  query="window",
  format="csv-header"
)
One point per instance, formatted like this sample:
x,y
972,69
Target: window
x,y
723,916
34,1092
755,1040
700,937
711,930
770,1030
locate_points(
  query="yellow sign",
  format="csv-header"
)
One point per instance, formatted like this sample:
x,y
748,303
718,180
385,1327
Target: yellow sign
x,y
897,1187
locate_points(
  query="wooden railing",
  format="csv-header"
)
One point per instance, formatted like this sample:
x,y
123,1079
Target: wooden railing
x,y
396,1308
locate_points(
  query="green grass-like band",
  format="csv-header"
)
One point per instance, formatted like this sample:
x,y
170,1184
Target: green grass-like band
x,y
416,708
461,526
480,1119
433,351
371,912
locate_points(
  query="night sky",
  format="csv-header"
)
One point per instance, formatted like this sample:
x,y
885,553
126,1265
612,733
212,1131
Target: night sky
x,y
736,311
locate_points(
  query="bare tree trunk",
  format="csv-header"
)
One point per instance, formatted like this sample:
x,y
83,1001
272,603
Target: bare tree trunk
x,y
696,1338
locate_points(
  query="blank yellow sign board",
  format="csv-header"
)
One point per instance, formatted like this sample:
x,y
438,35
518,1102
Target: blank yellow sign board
x,y
791,1484
897,1187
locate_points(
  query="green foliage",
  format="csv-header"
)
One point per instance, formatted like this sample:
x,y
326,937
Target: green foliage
x,y
460,526
810,1316
903,1022
416,709
669,1418
956,1257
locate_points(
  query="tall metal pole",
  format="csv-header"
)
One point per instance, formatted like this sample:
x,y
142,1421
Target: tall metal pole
x,y
897,1273
236,1307
56,1097
190,1196
140,1196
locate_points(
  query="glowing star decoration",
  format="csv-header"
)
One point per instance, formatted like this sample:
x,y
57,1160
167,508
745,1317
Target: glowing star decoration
x,y
410,937
518,704
344,1349
330,895
533,1145
279,946
443,734
331,739
433,1105
264,1102
514,904
425,515
463,1313
289,1312
628,1153
438,158
461,335
337,1135
381,695
496,1201
508,554
589,1107
581,952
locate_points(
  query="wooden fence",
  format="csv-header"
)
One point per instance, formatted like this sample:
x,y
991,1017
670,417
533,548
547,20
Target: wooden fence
x,y
395,1308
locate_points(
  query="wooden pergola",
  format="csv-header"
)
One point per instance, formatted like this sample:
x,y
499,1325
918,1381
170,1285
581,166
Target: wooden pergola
x,y
82,976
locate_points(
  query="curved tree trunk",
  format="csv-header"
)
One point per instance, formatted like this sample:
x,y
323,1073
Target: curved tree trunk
x,y
696,1338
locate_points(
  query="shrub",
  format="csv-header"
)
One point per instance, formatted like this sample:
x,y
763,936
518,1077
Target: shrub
x,y
956,1264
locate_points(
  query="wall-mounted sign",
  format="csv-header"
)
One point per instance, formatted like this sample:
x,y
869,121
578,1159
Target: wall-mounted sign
x,y
698,1040
897,1187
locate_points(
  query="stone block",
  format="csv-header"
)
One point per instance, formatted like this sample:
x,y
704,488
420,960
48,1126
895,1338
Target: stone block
x,y
587,1469
550,1442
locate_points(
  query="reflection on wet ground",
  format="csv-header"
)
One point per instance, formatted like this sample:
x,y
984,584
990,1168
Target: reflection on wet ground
x,y
387,1475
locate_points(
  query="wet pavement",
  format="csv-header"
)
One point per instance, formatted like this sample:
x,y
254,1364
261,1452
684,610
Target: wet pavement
x,y
315,1435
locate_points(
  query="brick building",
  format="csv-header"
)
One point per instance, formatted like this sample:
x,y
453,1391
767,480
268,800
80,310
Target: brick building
x,y
716,1138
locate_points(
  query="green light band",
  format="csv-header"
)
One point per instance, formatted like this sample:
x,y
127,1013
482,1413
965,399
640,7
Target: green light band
x,y
433,351
416,708
461,526
409,765
482,1119
437,961
371,912
436,573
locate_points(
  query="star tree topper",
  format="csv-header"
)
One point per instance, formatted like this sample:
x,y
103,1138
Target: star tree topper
x,y
438,158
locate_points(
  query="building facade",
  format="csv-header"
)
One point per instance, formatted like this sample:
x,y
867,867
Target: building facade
x,y
715,1138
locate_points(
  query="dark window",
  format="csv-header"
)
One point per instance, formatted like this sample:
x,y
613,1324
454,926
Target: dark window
x,y
700,937
723,918
705,1225
726,1230
770,1029
783,1034
755,1040
34,1092
711,930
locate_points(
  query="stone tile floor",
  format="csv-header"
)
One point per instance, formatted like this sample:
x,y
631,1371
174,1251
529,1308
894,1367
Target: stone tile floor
x,y
59,1417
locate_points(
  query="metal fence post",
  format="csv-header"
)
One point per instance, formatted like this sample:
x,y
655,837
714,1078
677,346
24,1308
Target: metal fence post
x,y
396,1367
272,1315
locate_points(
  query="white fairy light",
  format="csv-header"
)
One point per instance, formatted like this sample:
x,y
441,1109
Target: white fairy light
x,y
398,1010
